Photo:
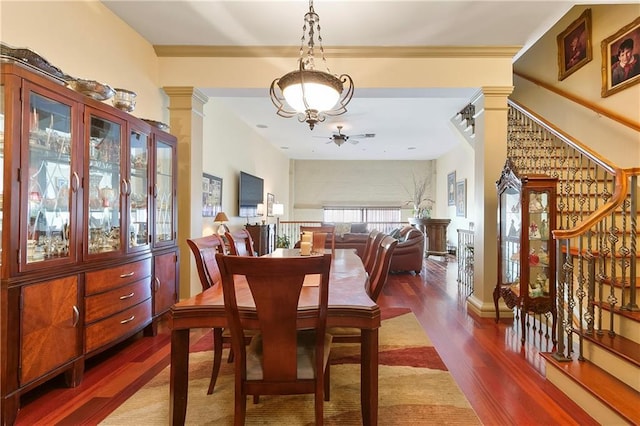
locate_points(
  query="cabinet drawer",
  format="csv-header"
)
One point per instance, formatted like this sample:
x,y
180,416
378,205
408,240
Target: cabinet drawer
x,y
104,304
110,329
107,279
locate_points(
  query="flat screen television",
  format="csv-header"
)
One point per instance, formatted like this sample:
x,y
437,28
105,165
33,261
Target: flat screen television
x,y
250,194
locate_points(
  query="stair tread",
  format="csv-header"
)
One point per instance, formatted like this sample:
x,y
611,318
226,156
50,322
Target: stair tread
x,y
621,398
632,315
621,346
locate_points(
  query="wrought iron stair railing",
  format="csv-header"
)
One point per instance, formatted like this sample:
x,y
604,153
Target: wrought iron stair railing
x,y
597,229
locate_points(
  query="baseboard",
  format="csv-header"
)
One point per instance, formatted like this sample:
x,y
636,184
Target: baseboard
x,y
487,309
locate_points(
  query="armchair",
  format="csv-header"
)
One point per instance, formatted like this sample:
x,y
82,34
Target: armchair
x,y
409,252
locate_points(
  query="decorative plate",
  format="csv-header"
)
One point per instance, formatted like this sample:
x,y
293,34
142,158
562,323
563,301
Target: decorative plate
x,y
92,88
31,59
158,124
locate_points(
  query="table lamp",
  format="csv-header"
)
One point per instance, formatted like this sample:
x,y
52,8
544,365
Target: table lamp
x,y
222,218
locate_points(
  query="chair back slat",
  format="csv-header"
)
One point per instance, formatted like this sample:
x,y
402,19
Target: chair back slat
x,y
369,244
204,251
369,261
240,243
380,271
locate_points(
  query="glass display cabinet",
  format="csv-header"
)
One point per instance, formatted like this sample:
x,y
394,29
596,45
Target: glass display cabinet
x,y
526,252
88,220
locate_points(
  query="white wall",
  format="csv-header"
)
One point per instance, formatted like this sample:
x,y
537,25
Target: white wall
x,y
617,143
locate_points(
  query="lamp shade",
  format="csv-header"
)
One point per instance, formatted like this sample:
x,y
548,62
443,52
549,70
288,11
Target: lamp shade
x,y
278,209
221,217
310,89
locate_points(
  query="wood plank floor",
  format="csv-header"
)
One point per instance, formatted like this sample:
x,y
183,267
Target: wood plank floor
x,y
503,380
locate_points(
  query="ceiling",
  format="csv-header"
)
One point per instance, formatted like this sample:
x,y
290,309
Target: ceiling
x,y
408,124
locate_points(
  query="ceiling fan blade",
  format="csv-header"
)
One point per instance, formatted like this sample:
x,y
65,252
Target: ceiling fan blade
x,y
364,135
354,141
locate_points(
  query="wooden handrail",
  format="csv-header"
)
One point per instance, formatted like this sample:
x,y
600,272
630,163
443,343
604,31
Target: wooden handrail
x,y
618,198
587,104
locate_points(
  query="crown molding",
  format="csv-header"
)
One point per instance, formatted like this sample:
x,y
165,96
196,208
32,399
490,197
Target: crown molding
x,y
193,51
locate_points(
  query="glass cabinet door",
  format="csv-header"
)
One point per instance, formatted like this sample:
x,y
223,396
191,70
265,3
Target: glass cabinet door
x,y
538,236
510,222
138,190
103,221
164,193
50,180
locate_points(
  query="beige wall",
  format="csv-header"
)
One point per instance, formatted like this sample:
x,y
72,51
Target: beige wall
x,y
231,147
619,144
86,40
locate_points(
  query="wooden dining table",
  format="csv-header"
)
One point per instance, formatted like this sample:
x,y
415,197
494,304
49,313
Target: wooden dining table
x,y
349,306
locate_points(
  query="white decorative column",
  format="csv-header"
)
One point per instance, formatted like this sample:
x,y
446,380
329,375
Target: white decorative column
x,y
186,106
490,155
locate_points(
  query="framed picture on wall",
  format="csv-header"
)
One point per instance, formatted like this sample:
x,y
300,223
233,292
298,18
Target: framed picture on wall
x,y
270,200
211,195
461,198
621,59
451,188
574,46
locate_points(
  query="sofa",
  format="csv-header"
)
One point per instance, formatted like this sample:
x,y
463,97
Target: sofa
x,y
407,256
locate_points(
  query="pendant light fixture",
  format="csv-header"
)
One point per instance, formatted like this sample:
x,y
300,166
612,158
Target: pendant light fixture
x,y
311,94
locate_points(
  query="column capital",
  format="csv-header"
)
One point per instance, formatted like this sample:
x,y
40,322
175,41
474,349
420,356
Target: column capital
x,y
185,97
495,97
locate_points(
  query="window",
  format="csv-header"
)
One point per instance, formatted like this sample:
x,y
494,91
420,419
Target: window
x,y
362,214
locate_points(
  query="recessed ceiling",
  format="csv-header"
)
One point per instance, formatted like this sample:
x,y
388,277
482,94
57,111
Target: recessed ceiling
x,y
408,124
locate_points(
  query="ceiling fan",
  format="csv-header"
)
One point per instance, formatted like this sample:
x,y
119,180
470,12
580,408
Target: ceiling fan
x,y
340,138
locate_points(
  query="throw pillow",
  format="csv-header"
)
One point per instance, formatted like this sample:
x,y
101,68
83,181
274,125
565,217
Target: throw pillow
x,y
359,228
396,233
342,228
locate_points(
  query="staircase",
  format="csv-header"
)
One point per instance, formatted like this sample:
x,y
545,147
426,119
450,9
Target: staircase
x,y
597,359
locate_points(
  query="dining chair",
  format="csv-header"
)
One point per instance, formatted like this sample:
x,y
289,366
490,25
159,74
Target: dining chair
x,y
370,260
204,251
377,280
290,353
369,244
240,243
320,235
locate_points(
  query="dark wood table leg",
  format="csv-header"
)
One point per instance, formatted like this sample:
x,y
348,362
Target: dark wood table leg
x,y
179,376
369,377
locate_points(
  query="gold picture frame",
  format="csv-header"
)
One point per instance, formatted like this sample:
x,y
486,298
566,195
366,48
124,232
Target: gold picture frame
x,y
625,41
574,46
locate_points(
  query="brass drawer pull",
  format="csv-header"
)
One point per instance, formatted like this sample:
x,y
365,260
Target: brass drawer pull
x,y
76,316
131,318
127,296
130,274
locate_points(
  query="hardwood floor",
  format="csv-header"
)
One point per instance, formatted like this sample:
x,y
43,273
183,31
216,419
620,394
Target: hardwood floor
x,y
503,380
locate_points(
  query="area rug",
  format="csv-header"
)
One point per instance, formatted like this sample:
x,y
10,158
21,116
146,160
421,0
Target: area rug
x,y
414,388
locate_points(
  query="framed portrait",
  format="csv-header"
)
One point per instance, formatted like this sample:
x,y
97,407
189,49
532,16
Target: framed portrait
x,y
270,200
574,46
211,195
621,59
451,188
461,198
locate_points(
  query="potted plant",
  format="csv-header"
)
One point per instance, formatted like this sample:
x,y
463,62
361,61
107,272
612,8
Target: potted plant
x,y
283,241
422,205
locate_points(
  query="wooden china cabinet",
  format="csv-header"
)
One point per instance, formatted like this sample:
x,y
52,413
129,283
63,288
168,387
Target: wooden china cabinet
x,y
88,224
526,252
